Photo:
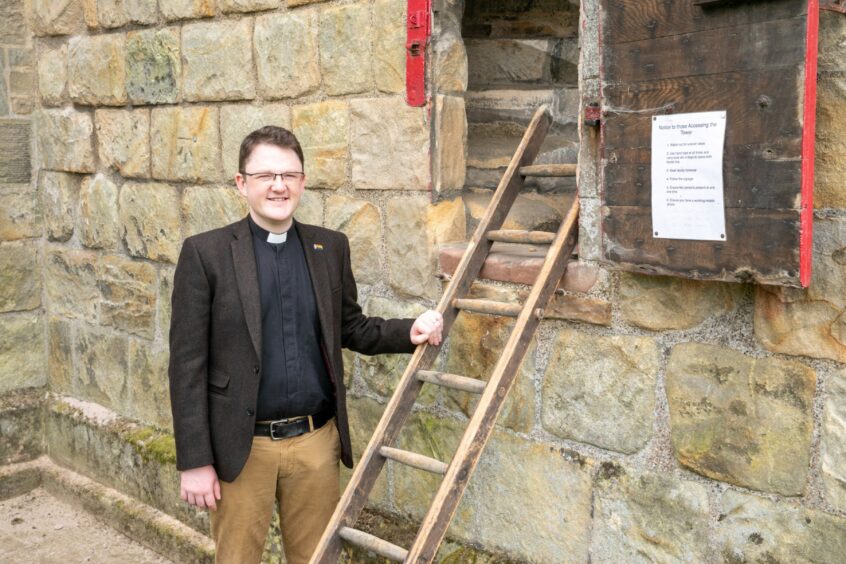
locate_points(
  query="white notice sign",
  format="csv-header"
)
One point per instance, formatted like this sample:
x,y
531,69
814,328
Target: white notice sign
x,y
687,176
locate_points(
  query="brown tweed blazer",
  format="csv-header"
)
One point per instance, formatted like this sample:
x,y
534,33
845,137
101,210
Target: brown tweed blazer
x,y
215,339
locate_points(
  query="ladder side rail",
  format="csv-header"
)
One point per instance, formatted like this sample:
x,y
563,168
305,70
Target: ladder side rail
x,y
480,428
399,407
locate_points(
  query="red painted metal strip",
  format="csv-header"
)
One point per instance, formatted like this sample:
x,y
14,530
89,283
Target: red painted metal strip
x,y
417,38
806,229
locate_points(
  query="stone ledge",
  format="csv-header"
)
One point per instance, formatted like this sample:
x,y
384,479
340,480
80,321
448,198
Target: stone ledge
x,y
140,522
22,421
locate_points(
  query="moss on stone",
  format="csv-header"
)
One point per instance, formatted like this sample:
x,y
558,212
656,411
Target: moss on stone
x,y
152,444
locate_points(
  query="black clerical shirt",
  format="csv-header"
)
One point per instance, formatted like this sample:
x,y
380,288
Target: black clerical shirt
x,y
294,380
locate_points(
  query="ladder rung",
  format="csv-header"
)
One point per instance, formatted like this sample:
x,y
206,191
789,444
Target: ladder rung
x,y
487,306
549,170
522,237
370,542
453,381
413,459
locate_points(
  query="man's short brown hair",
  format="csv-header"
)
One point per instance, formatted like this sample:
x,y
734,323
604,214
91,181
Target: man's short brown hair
x,y
268,135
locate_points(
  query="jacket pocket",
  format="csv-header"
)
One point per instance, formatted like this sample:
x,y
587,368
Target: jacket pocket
x,y
218,382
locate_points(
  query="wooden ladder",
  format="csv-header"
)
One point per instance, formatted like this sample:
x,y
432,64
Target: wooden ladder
x,y
457,473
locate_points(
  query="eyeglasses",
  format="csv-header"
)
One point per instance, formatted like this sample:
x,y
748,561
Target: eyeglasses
x,y
268,178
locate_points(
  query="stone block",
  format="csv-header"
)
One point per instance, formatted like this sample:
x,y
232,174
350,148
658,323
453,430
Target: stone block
x,y
323,131
530,212
287,61
239,6
150,221
59,193
20,216
56,17
450,157
118,13
21,418
5,104
389,45
70,280
656,516
364,414
209,207
239,120
828,275
362,224
100,371
754,529
21,82
411,260
310,209
476,342
163,301
449,61
663,303
153,66
15,163
185,144
64,140
833,443
20,279
446,222
128,290
345,54
53,74
149,390
742,420
22,352
22,106
600,390
97,70
830,140
59,356
590,239
187,9
832,49
21,57
123,138
389,153
578,308
97,220
218,61
13,24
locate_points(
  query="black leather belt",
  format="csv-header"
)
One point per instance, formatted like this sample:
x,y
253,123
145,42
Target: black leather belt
x,y
293,426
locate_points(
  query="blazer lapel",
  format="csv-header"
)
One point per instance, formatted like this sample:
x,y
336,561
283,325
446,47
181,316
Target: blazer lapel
x,y
319,273
246,275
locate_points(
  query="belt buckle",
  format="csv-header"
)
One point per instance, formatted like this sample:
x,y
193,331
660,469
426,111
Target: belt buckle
x,y
273,425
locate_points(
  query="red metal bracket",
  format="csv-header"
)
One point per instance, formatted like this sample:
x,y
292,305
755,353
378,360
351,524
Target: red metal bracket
x,y
593,115
418,29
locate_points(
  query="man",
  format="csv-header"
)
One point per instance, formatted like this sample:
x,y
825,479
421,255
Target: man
x,y
261,309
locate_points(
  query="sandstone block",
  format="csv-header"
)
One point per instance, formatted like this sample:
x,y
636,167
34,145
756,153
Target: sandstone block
x,y
601,390
185,144
476,343
186,9
660,303
20,279
148,383
70,280
150,221
447,222
128,290
153,66
97,70
323,131
100,372
579,308
656,516
389,153
830,141
13,24
21,352
833,444
286,54
530,212
56,17
60,193
20,216
236,6
754,529
118,13
59,356
218,61
389,45
15,163
163,296
123,138
345,61
310,209
590,219
64,140
450,158
829,268
361,222
22,106
53,74
741,420
21,57
206,207
364,415
449,59
98,213
832,50
21,82
411,261
239,120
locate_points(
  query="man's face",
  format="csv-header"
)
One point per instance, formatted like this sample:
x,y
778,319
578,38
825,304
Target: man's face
x,y
272,203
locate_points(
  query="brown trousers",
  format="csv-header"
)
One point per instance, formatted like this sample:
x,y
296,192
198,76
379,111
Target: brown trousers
x,y
302,475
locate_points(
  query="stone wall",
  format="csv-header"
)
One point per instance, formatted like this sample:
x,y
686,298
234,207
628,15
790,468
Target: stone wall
x,y
659,417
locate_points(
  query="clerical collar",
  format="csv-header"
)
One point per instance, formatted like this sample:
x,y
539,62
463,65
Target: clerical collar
x,y
264,235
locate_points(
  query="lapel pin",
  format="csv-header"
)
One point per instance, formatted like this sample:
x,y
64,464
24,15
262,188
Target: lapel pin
x,y
318,247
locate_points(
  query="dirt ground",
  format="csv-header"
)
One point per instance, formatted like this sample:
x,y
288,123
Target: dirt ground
x,y
38,528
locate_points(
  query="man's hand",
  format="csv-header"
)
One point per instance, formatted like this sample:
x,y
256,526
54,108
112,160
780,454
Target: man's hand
x,y
427,327
200,487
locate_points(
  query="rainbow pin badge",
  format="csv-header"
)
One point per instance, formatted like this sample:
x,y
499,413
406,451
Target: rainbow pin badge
x,y
318,247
